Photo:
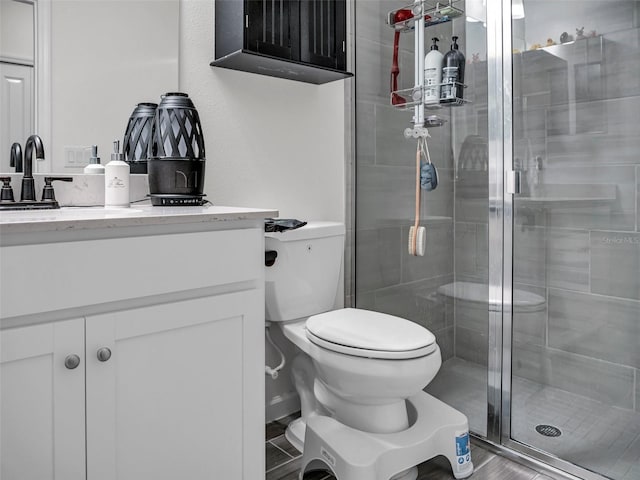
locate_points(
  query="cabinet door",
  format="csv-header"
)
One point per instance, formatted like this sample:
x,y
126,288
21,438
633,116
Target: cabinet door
x,y
42,402
181,394
323,33
273,28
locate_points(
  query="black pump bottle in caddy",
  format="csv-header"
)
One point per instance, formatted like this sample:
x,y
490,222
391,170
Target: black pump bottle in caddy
x,y
452,74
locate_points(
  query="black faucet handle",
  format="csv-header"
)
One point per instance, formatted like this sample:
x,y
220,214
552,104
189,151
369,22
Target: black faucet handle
x,y
48,195
6,194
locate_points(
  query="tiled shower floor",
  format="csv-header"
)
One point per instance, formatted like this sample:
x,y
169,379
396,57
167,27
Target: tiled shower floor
x,y
596,436
284,461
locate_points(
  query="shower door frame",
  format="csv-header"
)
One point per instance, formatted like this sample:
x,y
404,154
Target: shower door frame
x,y
503,187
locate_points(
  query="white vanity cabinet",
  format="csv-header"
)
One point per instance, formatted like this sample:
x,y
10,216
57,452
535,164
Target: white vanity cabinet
x,y
165,399
166,324
42,402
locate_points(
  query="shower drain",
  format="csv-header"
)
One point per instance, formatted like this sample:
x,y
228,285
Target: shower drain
x,y
548,430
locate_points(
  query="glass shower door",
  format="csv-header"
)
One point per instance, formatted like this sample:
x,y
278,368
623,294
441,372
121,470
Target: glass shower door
x,y
575,337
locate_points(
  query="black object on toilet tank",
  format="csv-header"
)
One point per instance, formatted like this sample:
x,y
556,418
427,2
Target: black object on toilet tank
x,y
177,160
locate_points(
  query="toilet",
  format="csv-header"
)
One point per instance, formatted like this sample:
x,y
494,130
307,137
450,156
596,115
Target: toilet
x,y
359,374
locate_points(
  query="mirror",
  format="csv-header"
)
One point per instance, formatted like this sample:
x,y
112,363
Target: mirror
x,y
93,61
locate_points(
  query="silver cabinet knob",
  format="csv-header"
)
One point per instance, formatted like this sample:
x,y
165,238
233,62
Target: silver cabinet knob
x,y
71,361
104,354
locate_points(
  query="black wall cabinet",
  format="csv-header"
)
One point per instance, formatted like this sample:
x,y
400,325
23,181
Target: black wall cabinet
x,y
301,40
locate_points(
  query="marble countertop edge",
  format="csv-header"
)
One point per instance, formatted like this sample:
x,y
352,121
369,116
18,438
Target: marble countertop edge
x,y
83,218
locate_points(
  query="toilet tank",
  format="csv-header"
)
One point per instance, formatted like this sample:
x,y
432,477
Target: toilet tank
x,y
304,278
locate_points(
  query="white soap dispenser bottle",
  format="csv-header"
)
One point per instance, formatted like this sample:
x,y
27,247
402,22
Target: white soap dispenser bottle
x,y
116,179
94,167
433,73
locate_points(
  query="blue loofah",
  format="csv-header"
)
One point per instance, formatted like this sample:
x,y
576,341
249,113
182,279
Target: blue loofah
x,y
428,176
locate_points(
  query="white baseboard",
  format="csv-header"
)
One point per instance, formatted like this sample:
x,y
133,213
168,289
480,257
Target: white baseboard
x,y
281,406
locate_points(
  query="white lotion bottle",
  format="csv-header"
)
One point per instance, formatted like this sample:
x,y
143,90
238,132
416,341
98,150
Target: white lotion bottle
x,y
94,167
116,179
433,73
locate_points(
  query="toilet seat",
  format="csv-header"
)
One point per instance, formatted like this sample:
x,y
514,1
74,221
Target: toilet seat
x,y
363,333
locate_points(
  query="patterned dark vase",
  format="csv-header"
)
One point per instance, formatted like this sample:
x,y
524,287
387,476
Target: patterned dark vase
x,y
138,136
177,160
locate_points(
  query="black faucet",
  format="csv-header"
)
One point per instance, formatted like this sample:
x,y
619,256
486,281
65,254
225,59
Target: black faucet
x,y
28,192
28,195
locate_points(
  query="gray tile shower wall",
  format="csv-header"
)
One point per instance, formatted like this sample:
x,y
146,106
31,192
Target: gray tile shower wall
x,y
471,215
637,402
471,345
471,244
582,246
595,326
615,265
378,258
529,265
366,133
529,327
602,381
568,259
386,196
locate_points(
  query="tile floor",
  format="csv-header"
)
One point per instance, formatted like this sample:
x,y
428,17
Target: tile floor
x,y
596,436
283,462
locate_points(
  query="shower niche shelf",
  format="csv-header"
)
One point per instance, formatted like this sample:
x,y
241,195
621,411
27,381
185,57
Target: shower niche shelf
x,y
434,13
413,97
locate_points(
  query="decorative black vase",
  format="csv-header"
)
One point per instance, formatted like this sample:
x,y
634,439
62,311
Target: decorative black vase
x,y
138,137
177,160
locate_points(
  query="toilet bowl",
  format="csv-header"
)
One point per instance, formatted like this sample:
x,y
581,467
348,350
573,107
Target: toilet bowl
x,y
365,365
354,366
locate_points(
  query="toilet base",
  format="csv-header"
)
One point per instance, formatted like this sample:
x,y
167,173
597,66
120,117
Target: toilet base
x,y
355,455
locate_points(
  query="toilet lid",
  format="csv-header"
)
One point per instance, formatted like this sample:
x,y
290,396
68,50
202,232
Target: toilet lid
x,y
364,333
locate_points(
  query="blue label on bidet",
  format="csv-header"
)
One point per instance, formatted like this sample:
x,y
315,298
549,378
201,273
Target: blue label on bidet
x,y
462,448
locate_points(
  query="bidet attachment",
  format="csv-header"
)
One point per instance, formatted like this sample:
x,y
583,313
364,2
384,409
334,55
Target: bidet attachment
x,y
273,372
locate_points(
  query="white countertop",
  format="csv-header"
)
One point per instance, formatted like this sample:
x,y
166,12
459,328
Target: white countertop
x,y
83,218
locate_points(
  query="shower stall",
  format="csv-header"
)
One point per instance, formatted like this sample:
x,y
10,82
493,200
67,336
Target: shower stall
x,y
531,276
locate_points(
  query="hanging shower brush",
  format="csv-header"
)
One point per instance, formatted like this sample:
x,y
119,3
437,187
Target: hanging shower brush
x,y
426,179
417,234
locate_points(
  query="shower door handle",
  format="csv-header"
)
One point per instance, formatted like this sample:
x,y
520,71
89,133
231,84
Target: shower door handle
x,y
512,182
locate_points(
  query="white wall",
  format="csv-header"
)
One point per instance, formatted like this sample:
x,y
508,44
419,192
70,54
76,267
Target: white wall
x,y
269,142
